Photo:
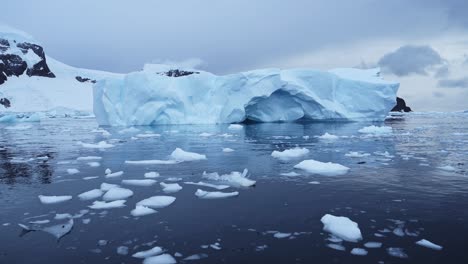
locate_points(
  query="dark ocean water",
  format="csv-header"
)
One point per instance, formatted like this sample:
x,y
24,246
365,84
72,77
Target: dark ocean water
x,y
403,188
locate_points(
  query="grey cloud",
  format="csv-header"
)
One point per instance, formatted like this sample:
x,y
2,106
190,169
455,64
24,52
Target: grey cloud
x,y
454,83
438,94
442,72
410,59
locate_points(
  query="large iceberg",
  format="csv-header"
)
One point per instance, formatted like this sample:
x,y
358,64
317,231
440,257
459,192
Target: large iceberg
x,y
161,94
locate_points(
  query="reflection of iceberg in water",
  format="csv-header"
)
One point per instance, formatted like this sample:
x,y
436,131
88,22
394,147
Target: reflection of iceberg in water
x,y
58,231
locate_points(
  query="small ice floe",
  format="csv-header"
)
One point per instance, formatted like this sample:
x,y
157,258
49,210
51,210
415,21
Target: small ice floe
x,y
151,162
54,199
144,182
356,154
58,231
196,257
217,187
141,210
19,127
289,154
40,222
341,227
108,171
148,135
117,193
100,145
428,244
290,174
88,158
359,252
129,130
173,179
100,205
376,130
107,186
396,252
336,247
234,179
148,253
447,168
114,174
327,136
122,250
86,221
282,235
72,171
63,216
204,134
152,174
235,127
226,150
170,187
160,259
214,195
181,155
261,248
399,232
91,195
216,246
314,182
94,164
322,168
373,244
156,202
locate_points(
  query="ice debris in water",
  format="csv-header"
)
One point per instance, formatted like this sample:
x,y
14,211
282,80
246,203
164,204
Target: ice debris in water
x,y
359,251
373,244
58,231
152,174
148,253
282,235
114,174
145,182
181,155
288,154
54,199
447,168
204,184
290,174
396,252
214,195
234,179
226,150
91,195
160,259
341,227
87,158
196,256
151,162
107,186
141,210
99,145
356,154
336,247
428,244
122,250
235,127
117,193
327,136
322,168
72,171
170,187
107,205
156,202
376,130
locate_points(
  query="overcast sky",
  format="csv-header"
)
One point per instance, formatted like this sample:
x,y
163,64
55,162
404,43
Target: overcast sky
x,y
423,44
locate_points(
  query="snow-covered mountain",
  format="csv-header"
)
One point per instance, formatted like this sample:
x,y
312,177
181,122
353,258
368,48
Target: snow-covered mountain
x,y
30,81
160,94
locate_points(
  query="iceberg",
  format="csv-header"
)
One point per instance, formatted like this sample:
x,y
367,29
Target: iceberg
x,y
155,96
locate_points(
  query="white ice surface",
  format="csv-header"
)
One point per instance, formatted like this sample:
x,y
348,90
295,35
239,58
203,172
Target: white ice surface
x,y
54,199
107,205
170,187
160,259
144,182
148,253
214,195
156,202
141,210
117,193
341,227
289,154
91,195
322,168
181,155
234,179
428,244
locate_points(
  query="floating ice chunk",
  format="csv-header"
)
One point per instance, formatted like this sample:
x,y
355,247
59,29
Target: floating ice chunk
x,y
204,134
141,210
107,205
156,202
54,199
161,259
397,252
90,178
122,250
447,168
314,182
151,162
359,251
214,195
99,145
234,179
151,174
327,136
86,221
58,231
289,154
63,216
94,164
145,182
181,155
72,171
129,130
40,222
322,168
290,174
282,235
107,186
147,135
217,187
228,150
19,127
114,174
336,247
373,245
235,127
86,158
107,171
196,256
399,232
341,227
91,195
148,253
355,154
428,244
117,193
170,187
376,130
215,246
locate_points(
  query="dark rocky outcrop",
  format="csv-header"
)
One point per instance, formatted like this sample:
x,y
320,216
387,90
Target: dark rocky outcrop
x,y
401,106
81,79
13,64
177,73
5,102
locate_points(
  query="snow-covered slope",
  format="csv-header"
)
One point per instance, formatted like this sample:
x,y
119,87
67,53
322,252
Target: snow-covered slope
x,y
160,94
30,81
